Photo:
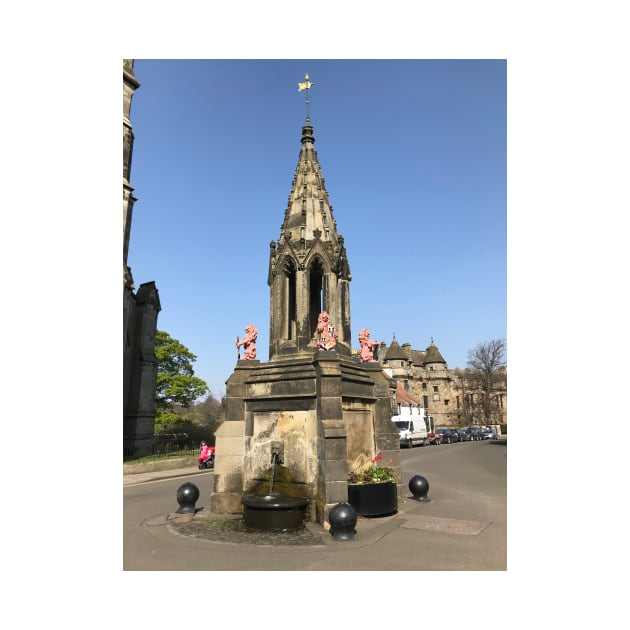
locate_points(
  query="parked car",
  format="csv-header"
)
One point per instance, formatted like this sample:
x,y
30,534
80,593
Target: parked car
x,y
489,434
447,436
438,436
463,436
474,434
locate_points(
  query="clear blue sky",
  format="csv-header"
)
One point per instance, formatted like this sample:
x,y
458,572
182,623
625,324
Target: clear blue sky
x,y
414,157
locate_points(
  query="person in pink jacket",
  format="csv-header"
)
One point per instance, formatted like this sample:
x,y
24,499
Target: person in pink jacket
x,y
205,452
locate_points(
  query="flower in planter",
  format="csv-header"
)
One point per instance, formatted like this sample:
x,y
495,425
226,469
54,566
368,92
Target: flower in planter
x,y
372,473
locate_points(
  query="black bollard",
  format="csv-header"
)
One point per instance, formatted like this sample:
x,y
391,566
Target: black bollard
x,y
419,487
187,496
342,519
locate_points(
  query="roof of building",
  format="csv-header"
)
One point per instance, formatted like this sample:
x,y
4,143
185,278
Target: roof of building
x,y
433,355
417,356
395,352
403,397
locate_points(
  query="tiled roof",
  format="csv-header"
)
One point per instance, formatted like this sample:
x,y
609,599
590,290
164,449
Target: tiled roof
x,y
404,397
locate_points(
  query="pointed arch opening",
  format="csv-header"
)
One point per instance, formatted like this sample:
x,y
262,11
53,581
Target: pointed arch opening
x,y
315,293
290,300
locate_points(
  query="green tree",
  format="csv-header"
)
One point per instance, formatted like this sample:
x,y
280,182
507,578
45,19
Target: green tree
x,y
177,386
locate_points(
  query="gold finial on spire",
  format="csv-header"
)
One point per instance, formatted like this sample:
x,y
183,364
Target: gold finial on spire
x,y
305,86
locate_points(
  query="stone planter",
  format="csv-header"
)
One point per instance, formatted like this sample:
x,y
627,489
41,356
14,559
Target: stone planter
x,y
373,499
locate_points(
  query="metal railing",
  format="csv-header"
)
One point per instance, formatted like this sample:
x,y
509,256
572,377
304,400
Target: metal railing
x,y
159,446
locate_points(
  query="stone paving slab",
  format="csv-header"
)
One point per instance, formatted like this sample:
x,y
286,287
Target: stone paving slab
x,y
445,525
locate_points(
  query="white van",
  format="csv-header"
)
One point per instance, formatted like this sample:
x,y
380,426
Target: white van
x,y
415,428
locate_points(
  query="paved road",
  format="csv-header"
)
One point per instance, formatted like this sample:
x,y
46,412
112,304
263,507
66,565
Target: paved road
x,y
462,528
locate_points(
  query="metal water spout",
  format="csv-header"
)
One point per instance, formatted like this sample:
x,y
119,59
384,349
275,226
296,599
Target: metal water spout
x,y
277,453
277,449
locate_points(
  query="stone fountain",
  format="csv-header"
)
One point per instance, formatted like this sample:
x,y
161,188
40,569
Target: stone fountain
x,y
325,405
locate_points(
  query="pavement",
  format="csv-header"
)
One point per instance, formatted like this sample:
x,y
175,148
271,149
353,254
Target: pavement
x,y
133,478
454,531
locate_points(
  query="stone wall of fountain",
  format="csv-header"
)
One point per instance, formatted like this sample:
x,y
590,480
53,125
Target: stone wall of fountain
x,y
296,431
325,410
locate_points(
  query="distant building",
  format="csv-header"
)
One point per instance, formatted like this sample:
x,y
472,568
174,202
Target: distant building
x,y
453,397
140,312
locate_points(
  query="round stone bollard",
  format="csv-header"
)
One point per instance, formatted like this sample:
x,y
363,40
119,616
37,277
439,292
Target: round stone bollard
x,y
342,519
419,487
187,496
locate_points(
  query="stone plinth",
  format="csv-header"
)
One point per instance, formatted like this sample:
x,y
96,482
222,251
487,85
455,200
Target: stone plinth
x,y
325,410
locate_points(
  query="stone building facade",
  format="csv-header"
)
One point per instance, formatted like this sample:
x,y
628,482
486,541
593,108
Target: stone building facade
x,y
140,312
452,397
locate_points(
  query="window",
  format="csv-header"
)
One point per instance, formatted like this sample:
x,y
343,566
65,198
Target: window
x,y
446,401
435,388
424,385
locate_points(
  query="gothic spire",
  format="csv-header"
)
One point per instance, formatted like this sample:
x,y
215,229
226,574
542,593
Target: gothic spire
x,y
308,267
309,214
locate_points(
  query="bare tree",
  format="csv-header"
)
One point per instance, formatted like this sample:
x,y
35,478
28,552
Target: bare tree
x,y
465,385
487,363
207,415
